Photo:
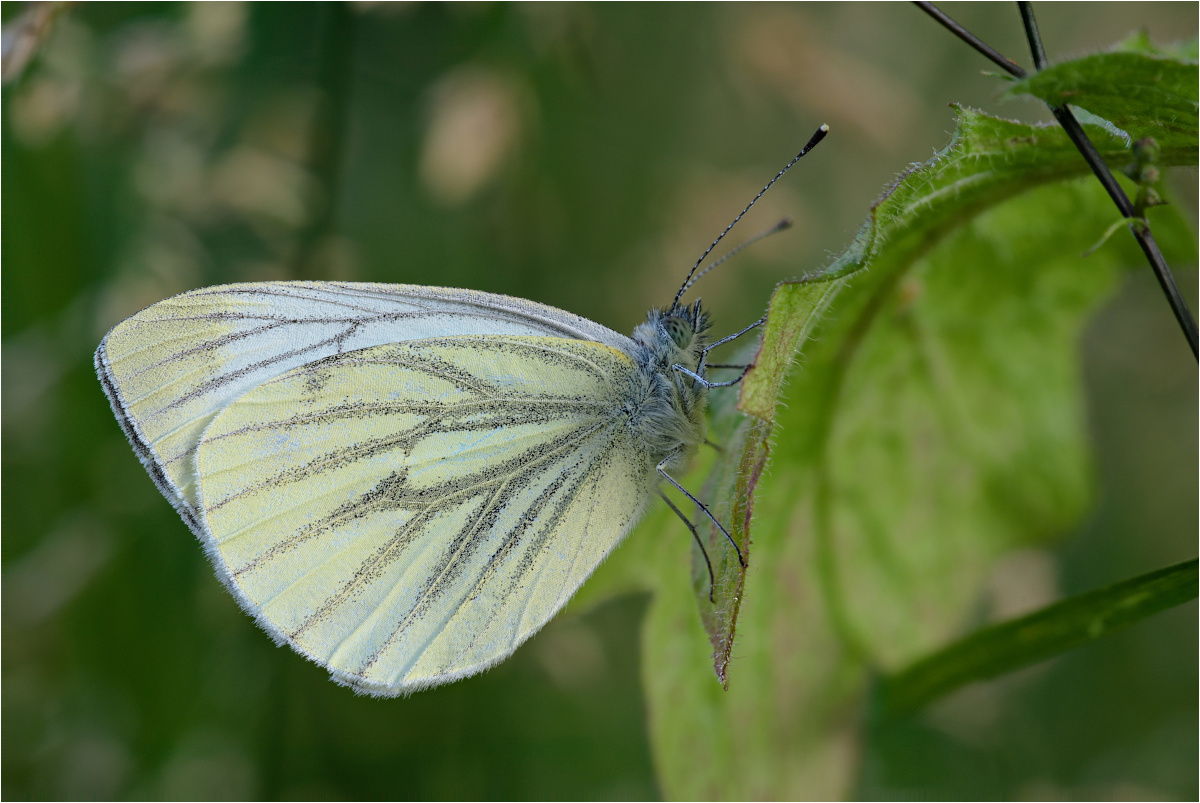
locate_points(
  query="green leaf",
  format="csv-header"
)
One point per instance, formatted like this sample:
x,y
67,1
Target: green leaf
x,y
1019,643
933,425
795,309
730,487
1145,94
745,446
987,160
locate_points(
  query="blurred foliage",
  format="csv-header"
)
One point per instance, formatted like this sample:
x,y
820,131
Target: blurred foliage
x,y
582,156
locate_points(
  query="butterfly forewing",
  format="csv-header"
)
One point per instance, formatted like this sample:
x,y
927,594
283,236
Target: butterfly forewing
x,y
169,369
410,513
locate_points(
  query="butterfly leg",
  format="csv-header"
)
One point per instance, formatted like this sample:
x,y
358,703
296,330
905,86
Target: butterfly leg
x,y
734,336
712,579
697,378
703,507
695,375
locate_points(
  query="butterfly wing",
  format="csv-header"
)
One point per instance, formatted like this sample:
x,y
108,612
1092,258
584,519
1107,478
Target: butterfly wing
x,y
169,369
409,514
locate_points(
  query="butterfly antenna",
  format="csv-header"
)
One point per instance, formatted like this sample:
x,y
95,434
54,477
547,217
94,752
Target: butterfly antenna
x,y
812,143
778,227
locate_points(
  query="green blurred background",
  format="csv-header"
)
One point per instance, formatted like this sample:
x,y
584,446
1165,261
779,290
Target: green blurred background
x,y
579,155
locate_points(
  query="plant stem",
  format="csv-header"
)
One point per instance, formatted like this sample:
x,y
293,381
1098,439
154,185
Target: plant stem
x,y
1066,119
1140,230
1018,643
971,39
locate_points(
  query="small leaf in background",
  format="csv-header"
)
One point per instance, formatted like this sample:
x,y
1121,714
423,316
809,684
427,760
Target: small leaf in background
x,y
1140,42
1145,94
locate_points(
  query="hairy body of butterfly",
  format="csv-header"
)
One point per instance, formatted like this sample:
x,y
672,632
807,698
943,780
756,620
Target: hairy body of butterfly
x,y
403,483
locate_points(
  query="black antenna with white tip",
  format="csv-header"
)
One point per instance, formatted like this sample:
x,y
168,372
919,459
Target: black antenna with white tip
x,y
689,281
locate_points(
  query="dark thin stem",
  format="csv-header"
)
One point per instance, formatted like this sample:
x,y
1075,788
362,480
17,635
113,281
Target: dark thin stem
x,y
1139,228
1005,63
1075,132
1031,33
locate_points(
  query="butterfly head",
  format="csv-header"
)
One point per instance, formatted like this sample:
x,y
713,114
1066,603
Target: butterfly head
x,y
674,335
685,326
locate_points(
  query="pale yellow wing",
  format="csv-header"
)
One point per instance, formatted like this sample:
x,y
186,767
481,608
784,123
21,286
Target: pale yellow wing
x,y
169,369
409,514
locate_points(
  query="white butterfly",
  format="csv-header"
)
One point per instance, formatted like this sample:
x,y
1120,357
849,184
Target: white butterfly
x,y
404,483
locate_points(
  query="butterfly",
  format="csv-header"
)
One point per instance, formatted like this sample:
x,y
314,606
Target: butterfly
x,y
404,483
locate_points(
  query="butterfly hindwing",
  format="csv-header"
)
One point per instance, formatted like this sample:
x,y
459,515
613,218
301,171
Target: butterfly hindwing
x,y
410,513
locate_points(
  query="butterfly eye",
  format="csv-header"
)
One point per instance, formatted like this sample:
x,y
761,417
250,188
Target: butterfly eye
x,y
679,330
